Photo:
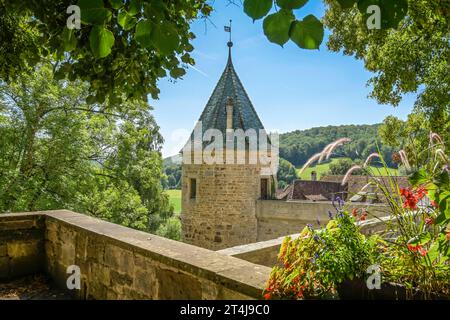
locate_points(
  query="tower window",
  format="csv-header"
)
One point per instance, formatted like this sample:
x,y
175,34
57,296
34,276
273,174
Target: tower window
x,y
193,188
264,189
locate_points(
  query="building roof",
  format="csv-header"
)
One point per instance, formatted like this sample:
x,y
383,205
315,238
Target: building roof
x,y
229,88
313,190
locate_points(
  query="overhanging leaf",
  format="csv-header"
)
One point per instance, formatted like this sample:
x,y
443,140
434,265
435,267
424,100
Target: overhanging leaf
x,y
307,34
257,9
125,20
177,72
277,25
93,12
69,40
346,4
116,4
165,38
135,7
143,33
291,4
101,41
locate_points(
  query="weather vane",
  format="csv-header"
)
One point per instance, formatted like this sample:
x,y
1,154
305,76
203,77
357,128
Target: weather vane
x,y
228,29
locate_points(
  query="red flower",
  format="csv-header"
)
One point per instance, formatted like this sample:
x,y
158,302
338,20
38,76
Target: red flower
x,y
429,221
267,296
434,204
414,248
423,252
421,192
410,199
355,212
447,236
363,216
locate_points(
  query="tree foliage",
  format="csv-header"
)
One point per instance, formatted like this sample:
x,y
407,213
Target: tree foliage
x,y
298,146
286,173
413,58
57,151
122,48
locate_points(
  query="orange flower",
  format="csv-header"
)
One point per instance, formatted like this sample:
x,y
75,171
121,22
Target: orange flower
x,y
429,221
423,252
447,236
355,212
267,296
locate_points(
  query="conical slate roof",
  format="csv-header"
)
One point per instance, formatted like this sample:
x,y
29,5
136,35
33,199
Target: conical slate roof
x,y
214,116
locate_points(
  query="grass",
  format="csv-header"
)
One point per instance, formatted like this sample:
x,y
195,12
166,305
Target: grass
x,y
175,199
323,168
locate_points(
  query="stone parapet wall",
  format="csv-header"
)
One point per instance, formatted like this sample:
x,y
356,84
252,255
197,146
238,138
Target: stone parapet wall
x,y
121,263
266,252
277,218
21,245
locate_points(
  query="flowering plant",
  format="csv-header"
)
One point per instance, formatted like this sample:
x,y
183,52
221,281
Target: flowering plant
x,y
314,264
413,251
418,257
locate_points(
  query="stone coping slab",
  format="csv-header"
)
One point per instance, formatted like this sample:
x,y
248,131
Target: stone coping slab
x,y
233,273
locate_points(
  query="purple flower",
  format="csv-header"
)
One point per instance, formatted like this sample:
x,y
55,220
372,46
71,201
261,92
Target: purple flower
x,y
318,222
310,226
316,238
330,215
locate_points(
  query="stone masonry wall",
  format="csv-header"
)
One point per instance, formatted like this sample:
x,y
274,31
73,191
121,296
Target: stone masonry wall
x,y
21,245
277,218
224,211
121,263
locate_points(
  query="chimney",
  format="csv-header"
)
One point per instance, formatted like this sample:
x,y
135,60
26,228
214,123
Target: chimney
x,y
229,113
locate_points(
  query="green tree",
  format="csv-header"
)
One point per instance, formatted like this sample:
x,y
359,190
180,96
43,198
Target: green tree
x,y
121,50
412,135
341,166
57,151
286,173
412,58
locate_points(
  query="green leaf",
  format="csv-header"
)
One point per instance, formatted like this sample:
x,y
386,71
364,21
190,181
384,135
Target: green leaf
x,y
441,218
346,4
135,7
433,253
69,40
307,34
392,12
101,41
291,4
177,72
419,177
165,38
125,20
116,4
444,203
143,33
93,12
443,180
432,191
257,9
421,239
277,25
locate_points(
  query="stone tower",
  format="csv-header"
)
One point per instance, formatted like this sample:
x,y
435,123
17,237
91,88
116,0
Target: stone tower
x,y
219,199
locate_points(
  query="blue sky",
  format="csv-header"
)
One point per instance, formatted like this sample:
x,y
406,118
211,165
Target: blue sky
x,y
291,88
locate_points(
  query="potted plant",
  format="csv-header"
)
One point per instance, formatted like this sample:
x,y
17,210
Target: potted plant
x,y
412,255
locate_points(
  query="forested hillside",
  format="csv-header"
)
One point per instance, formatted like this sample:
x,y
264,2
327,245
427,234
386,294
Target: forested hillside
x,y
298,146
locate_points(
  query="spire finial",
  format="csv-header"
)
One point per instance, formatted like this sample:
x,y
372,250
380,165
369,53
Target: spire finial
x,y
230,43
